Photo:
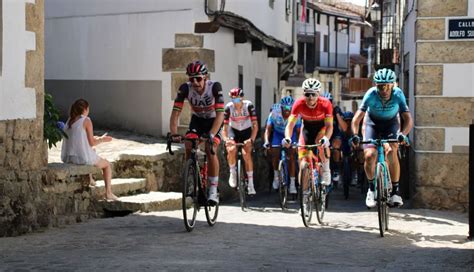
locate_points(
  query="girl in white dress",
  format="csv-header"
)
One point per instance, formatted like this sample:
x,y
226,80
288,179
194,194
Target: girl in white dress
x,y
77,148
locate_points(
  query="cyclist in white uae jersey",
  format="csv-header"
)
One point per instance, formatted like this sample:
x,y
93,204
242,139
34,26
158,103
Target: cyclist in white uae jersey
x,y
207,106
240,126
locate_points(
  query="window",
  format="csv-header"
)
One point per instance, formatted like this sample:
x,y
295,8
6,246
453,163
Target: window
x,y
1,35
326,43
319,19
271,3
300,53
307,15
352,34
258,102
241,77
288,7
297,11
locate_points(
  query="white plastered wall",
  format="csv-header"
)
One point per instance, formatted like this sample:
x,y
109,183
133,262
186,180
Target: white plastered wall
x,y
16,101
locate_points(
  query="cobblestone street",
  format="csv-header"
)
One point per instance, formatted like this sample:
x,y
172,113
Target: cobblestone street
x,y
262,239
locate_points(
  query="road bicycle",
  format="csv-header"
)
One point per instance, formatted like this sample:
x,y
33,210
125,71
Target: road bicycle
x,y
194,184
283,176
312,192
382,182
242,180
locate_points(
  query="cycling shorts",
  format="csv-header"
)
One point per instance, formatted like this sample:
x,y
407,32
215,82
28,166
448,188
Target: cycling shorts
x,y
385,129
202,126
240,136
310,134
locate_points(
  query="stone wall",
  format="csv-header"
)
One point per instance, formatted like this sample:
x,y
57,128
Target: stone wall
x,y
440,172
23,155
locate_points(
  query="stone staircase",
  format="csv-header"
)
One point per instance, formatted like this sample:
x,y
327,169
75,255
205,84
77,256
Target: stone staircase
x,y
134,196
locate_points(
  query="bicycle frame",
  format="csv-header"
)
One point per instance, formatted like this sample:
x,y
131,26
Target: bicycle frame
x,y
382,189
198,181
241,176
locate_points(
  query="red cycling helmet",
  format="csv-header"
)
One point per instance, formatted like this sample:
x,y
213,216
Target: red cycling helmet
x,y
236,92
196,68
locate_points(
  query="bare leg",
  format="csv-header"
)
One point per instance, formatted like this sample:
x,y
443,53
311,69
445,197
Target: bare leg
x,y
107,173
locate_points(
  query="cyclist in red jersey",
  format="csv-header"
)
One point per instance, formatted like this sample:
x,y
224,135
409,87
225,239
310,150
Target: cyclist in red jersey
x,y
316,113
207,106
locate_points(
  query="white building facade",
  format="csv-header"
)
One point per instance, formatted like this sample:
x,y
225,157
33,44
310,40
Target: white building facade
x,y
128,57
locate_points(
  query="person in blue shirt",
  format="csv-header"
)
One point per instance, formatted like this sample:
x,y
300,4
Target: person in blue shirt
x,y
381,109
276,124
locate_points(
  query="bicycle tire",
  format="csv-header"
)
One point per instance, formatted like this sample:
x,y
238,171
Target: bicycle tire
x,y
190,194
381,201
242,186
283,190
306,199
321,202
211,213
346,177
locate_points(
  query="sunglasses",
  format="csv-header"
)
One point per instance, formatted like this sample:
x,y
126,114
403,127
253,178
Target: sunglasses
x,y
310,94
197,79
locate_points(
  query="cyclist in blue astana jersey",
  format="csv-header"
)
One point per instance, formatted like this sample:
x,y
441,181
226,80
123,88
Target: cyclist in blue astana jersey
x,y
381,109
276,124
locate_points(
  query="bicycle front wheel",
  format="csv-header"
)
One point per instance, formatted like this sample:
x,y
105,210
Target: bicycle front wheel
x,y
283,190
242,185
381,199
211,213
306,194
190,195
321,201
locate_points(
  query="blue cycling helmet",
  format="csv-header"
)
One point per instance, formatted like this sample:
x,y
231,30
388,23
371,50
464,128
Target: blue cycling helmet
x,y
348,115
328,95
384,75
287,101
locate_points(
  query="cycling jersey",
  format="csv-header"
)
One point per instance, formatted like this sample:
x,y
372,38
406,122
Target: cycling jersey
x,y
318,115
203,105
378,110
276,120
242,119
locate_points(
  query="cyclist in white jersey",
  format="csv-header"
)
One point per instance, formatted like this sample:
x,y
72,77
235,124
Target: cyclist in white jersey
x,y
240,126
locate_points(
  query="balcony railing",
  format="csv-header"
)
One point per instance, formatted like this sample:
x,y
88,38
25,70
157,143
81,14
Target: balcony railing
x,y
355,87
331,60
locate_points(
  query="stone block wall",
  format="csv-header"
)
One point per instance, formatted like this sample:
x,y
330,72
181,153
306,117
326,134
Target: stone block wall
x,y
441,168
23,154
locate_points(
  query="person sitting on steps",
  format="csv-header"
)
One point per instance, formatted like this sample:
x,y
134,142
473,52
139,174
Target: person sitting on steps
x,y
77,148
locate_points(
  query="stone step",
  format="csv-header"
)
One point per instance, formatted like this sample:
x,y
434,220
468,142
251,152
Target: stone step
x,y
150,202
120,187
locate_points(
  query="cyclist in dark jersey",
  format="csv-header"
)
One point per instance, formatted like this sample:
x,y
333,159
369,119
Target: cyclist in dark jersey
x,y
207,107
316,114
381,107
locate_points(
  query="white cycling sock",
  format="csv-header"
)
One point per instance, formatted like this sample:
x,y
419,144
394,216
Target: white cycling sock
x,y
250,177
275,174
213,181
232,168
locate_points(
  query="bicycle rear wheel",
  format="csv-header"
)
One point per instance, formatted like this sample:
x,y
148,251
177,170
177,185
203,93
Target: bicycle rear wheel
x,y
381,199
211,213
242,185
306,194
283,190
190,195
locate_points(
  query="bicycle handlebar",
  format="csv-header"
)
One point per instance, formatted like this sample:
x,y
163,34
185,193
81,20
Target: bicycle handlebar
x,y
379,141
183,139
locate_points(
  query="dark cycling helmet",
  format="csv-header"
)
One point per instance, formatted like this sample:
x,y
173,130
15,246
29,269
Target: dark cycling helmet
x,y
311,85
328,95
348,115
236,92
287,101
384,75
196,68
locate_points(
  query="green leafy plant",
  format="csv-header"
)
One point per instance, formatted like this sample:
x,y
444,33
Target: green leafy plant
x,y
52,128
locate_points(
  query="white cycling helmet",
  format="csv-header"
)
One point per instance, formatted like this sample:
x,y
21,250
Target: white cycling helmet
x,y
311,85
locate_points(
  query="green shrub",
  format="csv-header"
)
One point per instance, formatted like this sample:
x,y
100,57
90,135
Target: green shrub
x,y
53,128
